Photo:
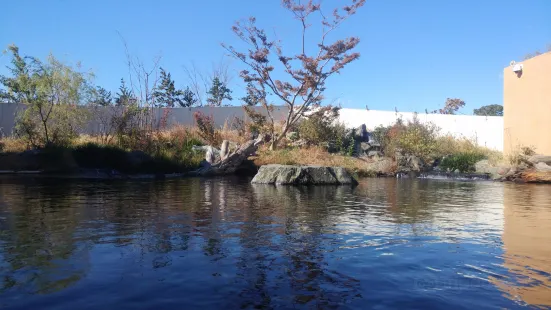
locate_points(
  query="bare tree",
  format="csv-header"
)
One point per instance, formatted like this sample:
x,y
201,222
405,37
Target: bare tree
x,y
143,83
143,79
306,72
200,82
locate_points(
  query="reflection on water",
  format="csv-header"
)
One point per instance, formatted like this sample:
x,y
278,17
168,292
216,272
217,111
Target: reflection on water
x,y
223,243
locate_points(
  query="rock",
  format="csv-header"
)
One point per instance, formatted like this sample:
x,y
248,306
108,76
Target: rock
x,y
361,133
540,159
409,163
380,167
541,166
503,170
302,175
374,154
364,146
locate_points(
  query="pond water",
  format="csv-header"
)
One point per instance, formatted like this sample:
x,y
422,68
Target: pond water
x,y
227,244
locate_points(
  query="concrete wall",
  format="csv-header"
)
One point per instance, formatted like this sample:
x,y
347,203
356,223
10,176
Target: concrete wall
x,y
488,131
527,105
7,118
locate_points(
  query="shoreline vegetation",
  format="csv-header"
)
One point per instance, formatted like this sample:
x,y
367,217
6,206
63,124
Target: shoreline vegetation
x,y
405,149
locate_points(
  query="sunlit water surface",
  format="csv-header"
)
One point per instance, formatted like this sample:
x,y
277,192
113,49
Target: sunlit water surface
x,y
226,244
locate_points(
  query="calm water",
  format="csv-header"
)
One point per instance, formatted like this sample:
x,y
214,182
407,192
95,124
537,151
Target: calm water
x,y
226,244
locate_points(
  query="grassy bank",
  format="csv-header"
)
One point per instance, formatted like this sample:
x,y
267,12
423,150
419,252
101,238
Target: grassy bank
x,y
318,156
162,152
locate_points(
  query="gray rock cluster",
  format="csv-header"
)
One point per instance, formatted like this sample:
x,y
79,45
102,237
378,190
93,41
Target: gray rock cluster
x,y
538,163
366,145
302,175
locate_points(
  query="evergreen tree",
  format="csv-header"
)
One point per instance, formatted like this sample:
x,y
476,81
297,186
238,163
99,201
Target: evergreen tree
x,y
189,98
124,96
102,96
490,110
166,95
218,92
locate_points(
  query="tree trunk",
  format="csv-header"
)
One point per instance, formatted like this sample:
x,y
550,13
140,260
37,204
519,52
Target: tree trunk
x,y
233,161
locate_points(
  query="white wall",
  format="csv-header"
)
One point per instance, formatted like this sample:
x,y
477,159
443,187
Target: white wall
x,y
487,130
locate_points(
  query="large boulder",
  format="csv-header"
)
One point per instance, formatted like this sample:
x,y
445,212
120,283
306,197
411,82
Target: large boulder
x,y
540,159
381,166
302,175
541,166
409,163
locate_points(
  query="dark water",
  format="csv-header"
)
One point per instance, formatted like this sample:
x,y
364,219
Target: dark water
x,y
225,244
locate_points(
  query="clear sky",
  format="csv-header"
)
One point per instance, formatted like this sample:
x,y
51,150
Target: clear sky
x,y
414,54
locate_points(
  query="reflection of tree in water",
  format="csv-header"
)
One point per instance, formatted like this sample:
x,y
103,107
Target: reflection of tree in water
x,y
298,260
38,242
416,203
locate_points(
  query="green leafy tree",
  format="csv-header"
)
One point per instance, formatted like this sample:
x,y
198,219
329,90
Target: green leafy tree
x,y
451,106
490,110
124,96
218,93
102,97
166,94
20,87
52,92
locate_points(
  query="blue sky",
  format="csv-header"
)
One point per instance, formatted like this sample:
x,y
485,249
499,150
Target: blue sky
x,y
414,54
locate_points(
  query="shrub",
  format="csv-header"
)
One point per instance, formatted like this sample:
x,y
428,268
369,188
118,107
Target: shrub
x,y
464,162
91,155
56,125
322,128
258,123
413,138
520,155
207,130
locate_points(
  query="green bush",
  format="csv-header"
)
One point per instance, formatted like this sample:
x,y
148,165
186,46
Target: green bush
x,y
54,125
464,162
413,138
322,128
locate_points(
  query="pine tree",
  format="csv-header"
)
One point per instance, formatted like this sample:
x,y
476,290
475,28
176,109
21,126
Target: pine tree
x,y
124,96
189,98
102,97
218,92
166,95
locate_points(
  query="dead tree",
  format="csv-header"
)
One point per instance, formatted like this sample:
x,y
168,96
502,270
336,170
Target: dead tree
x,y
227,162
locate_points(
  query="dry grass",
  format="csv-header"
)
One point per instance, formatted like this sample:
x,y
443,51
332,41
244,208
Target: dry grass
x,y
451,145
12,145
314,156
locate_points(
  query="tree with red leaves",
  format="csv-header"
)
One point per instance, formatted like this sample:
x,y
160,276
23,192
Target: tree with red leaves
x,y
306,72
